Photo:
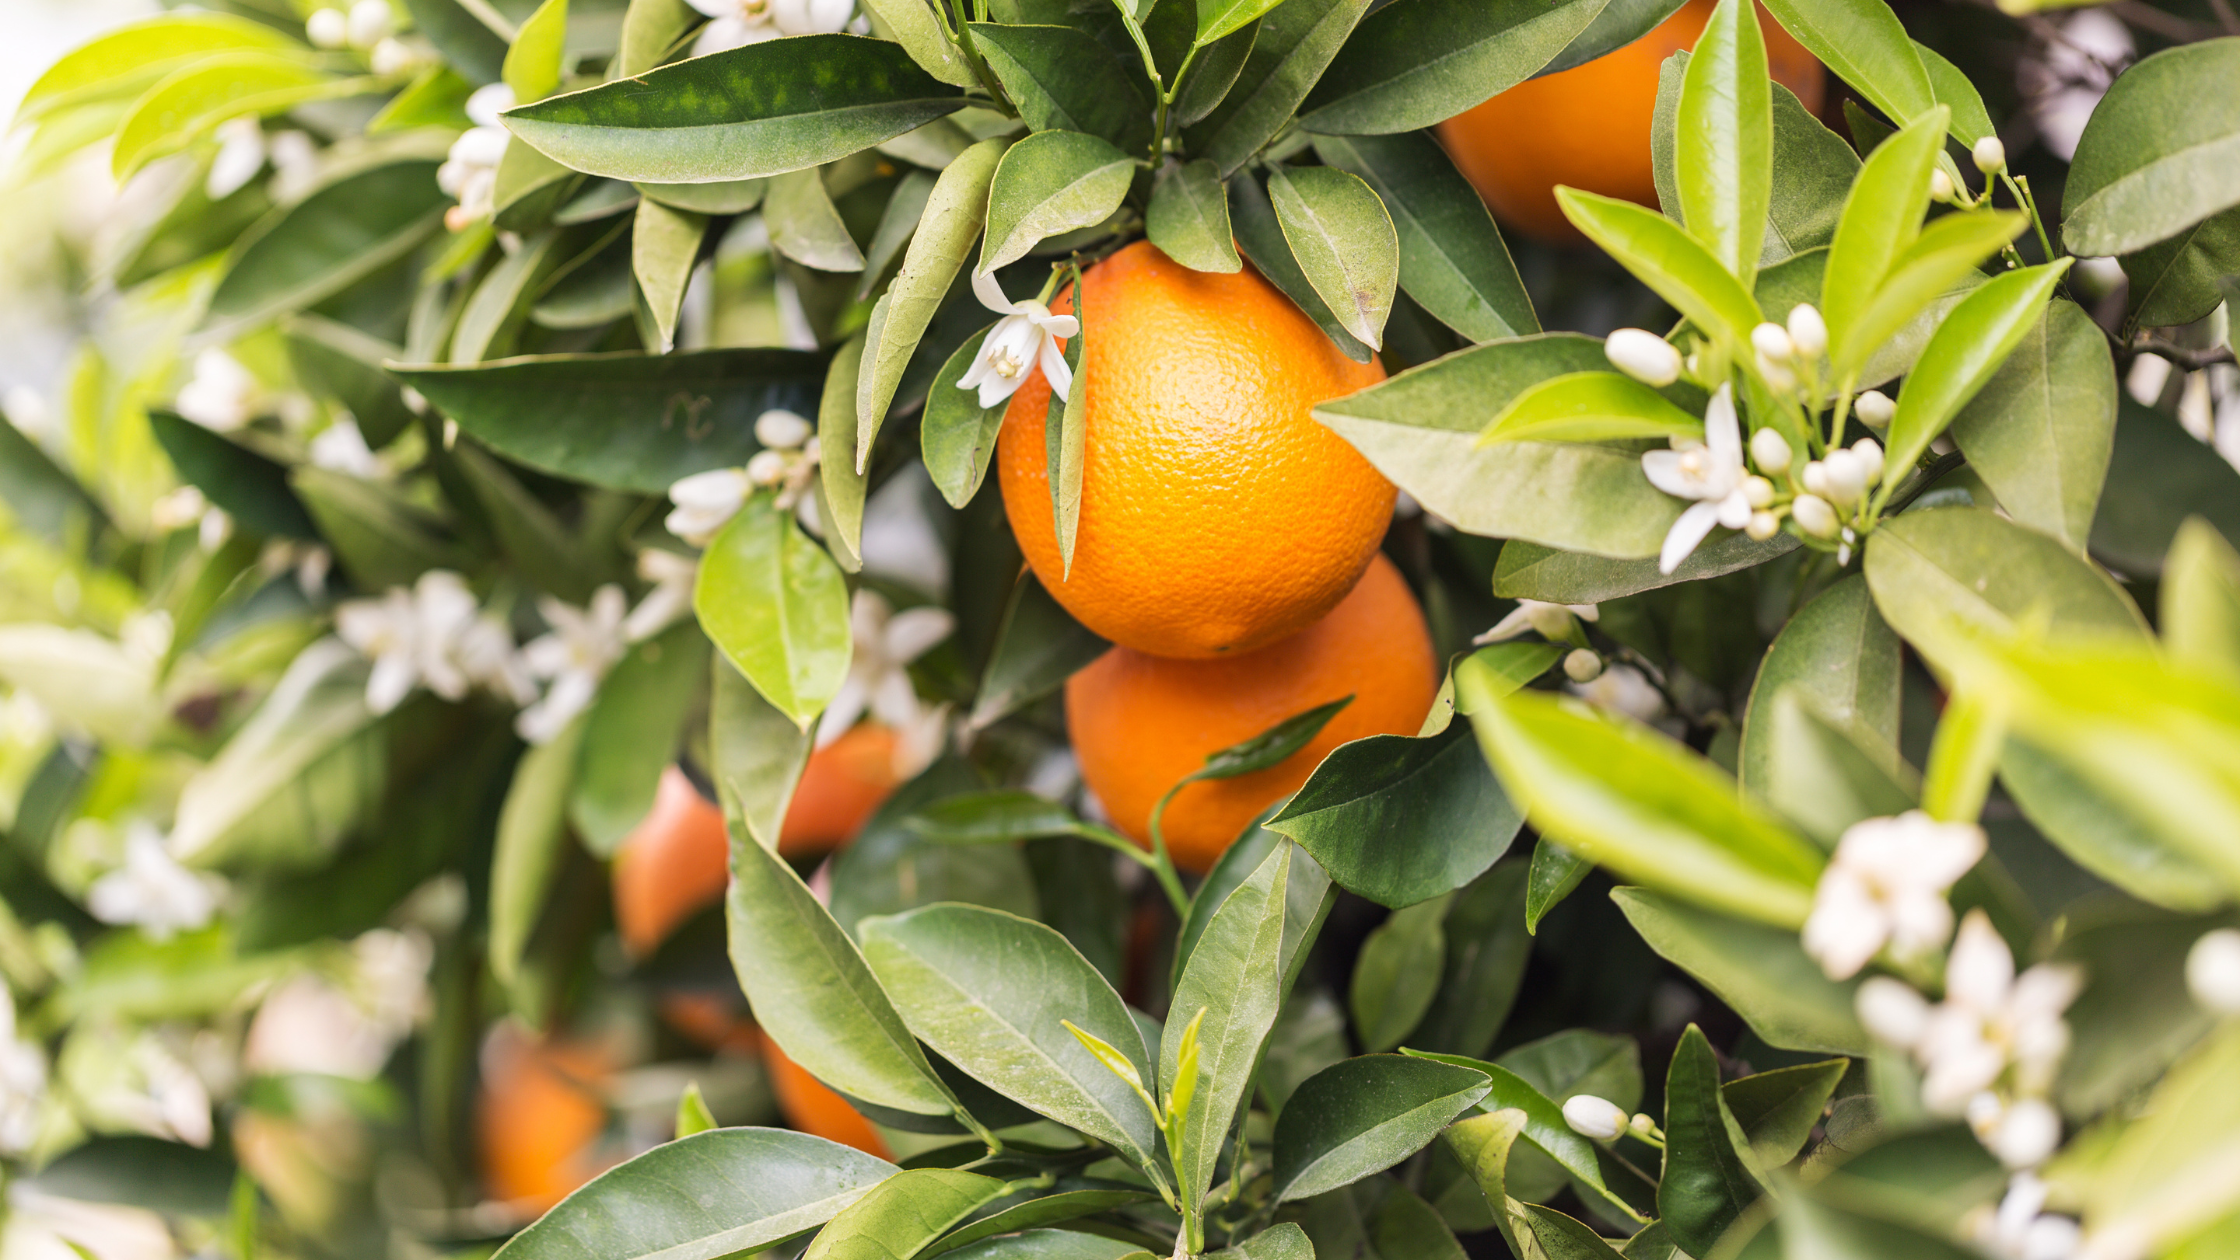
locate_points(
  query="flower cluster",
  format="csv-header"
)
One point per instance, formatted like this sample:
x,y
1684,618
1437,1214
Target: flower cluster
x,y
470,170
436,635
1886,889
787,463
736,23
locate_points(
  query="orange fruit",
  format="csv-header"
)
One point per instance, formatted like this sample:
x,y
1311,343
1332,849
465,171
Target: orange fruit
x,y
810,1106
845,782
1140,723
1588,127
1216,515
540,1115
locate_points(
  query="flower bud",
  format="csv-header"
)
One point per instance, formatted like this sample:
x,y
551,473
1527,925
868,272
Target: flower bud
x,y
782,430
1770,452
1642,1124
767,468
1815,478
1582,666
1870,451
392,56
1763,525
1940,185
1593,1117
2213,971
1892,1012
1844,475
1807,331
369,23
1990,155
1874,409
1772,341
327,28
1814,516
1757,492
1779,377
1643,355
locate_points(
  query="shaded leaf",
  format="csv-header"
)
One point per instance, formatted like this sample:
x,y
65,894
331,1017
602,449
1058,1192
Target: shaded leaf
x,y
1396,974
1777,1110
1292,47
304,253
1705,1184
1344,243
1416,64
1050,183
1364,1115
1761,972
1064,80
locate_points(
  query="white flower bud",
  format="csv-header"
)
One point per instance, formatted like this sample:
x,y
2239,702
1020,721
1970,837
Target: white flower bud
x,y
782,430
327,28
1642,1124
369,23
1844,475
1807,331
1772,341
1763,525
392,56
1643,355
1990,155
767,468
1770,452
1870,451
1892,1012
1757,491
2025,1135
1778,376
1582,666
1815,478
1874,409
1940,185
1593,1117
2213,971
1814,516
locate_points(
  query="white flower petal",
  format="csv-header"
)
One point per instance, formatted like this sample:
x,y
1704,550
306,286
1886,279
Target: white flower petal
x,y
1691,529
848,704
989,290
1054,368
912,631
1980,971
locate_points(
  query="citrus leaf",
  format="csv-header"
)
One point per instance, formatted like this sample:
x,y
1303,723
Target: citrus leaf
x,y
1970,120
777,607
532,837
475,46
252,488
1927,568
842,488
1487,949
756,755
902,1214
2160,154
1038,646
1047,184
729,196
304,253
1530,571
191,100
1291,48
1777,1110
1620,23
1881,217
1946,253
2040,430
1344,242
1270,746
1416,64
1189,218
1064,80
635,727
650,29
533,64
957,436
1863,44
1044,1244
804,226
912,24
664,246
1260,237
1556,873
1362,1116
2158,475
1844,661
1759,971
1724,138
1590,407
499,304
1396,974
129,60
1544,1125
1705,1185
1963,353
1663,256
380,538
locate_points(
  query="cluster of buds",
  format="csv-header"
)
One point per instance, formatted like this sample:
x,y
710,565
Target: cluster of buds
x,y
788,459
1990,157
368,26
1783,350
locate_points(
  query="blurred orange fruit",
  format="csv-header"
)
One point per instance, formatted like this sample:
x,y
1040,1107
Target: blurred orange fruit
x,y
1216,515
1588,127
1140,723
540,1115
810,1106
845,783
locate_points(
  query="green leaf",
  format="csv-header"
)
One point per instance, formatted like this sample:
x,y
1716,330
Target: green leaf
x,y
730,196
1401,820
1881,217
128,60
1530,571
957,436
1220,18
342,363
252,488
1213,73
805,227
1544,1125
1862,43
1761,972
1043,1244
650,29
762,109
1556,873
756,755
380,538
1724,138
187,103
1189,218
1420,429
2158,475
1663,256
1344,242
1292,47
1970,120
534,64
1590,407
2040,430
1487,949
1630,799
1396,974
1947,252
1280,1242
1777,1110
1270,746
2161,152
1817,168
531,843
777,607
664,245
992,993
954,213
1620,23
842,487
2099,834
1964,352
634,730
465,38
1038,646
1821,1227
1966,565
1416,64
1452,259
2179,280
1065,435
1562,1238
1364,1115
1260,236
1581,1061
902,1214
1483,1145
813,994
1705,1185
1840,657
531,538
1050,183
693,1115
2200,619
495,311
912,24
1062,79
635,422
302,254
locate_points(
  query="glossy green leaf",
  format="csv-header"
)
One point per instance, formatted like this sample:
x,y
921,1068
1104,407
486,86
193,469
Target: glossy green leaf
x,y
251,487
1065,435
466,39
338,235
1062,79
1816,171
902,1214
187,103
2161,152
1025,1243
1530,571
1724,139
1050,183
650,29
1270,746
627,421
1417,64
912,24
762,109
756,755
532,837
1364,1115
1281,1242
1969,565
380,538
2158,476
1881,217
127,60
1706,1184
635,727
1400,820
1581,1061
1863,44
1663,256
730,196
1562,1238
499,305
805,227
1761,972
1038,647
1965,352
1544,1125
1260,237
1452,259
1556,873
1396,974
1620,23
957,436
2179,280
1344,242
709,1195
2200,621
952,221
1483,1145
1946,253
1487,949
842,488
664,245
1189,218
1840,657
1630,799
1590,407
993,994
1777,1110
1291,49
1970,120
1213,72
1218,19
533,64
777,607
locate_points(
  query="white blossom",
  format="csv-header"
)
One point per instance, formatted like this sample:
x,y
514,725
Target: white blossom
x,y
394,56
1990,155
1596,1118
1813,515
1026,337
1643,355
740,22
2023,1133
341,447
878,679
673,577
1892,1012
1553,621
42,1226
222,395
1622,689
327,28
1582,665
240,156
2213,971
1886,887
1875,409
1808,332
432,634
23,1082
1710,472
1992,1021
370,22
706,502
153,890
348,1024
583,644
2020,1228
470,170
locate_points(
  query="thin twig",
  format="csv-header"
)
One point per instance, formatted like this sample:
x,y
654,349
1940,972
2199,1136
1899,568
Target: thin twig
x,y
1920,484
2168,25
2226,17
2190,360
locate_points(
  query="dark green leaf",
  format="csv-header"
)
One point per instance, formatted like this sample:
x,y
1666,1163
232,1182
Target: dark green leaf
x,y
1189,218
957,436
2158,475
532,837
1580,1061
1843,660
636,724
902,1214
2179,280
1213,73
1777,1110
1620,23
2040,430
992,817
1706,1184
1272,745
345,364
1530,571
1048,184
1029,1243
1038,647
1396,974
1762,972
1970,120
777,607
1562,1238
532,539
304,253
1343,241
1487,949
1421,62
2160,154
1816,1226
1556,872
464,40
1260,236
1064,80
140,1172
1294,45
1363,1116
379,538
251,487
40,495
500,302
841,486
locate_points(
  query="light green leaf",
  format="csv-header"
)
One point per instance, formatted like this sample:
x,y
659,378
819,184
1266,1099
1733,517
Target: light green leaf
x,y
1817,168
129,60
1219,18
762,109
1562,1238
500,303
532,837
1724,139
1663,256
1556,873
1362,1116
1417,64
1050,183
756,755
1927,568
664,245
534,63
1863,44
693,1115
805,227
912,24
1292,47
650,28
1062,79
1946,253
2161,152
1590,407
1396,974
1006,1235
191,100
1629,798
1964,352
902,1214
2200,619
1759,971
2040,430
777,607
731,196
1843,660
1530,571
1881,217
957,436
842,484
1483,1144
1189,218
1970,120
1544,1125
1778,1110
635,727
1213,72
1344,241
1065,436
304,253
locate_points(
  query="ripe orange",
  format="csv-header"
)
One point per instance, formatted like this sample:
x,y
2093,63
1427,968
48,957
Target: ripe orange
x,y
846,780
1140,723
540,1115
810,1106
1216,515
1588,127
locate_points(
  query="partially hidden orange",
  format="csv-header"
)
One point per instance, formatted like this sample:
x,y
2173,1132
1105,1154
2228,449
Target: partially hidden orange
x,y
1139,723
811,1107
844,784
540,1115
1588,127
1216,515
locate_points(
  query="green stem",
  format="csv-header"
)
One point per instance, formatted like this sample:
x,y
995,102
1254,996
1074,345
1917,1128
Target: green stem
x,y
1170,881
1166,104
2021,190
1162,864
